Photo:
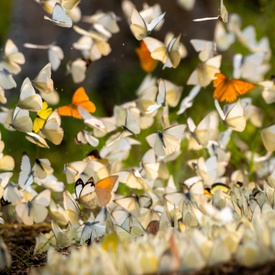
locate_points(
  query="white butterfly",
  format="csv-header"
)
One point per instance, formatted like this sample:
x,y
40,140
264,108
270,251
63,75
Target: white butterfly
x,y
108,21
223,16
161,98
90,120
168,54
92,231
6,80
36,139
85,137
205,48
187,102
42,168
205,131
268,135
222,38
29,99
168,141
149,165
77,69
12,58
128,119
73,170
43,81
268,92
205,72
26,177
55,53
21,120
71,207
251,67
34,210
140,28
234,117
52,130
59,17
133,179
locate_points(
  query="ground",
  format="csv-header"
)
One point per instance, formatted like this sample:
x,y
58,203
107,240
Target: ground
x,y
20,240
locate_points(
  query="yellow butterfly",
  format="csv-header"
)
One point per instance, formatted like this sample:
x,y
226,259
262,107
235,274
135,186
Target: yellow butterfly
x,y
41,117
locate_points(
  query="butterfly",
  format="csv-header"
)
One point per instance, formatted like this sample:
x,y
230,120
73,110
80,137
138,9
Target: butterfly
x,y
41,117
43,82
28,98
59,17
201,134
148,64
228,89
69,4
55,53
51,128
205,48
251,67
133,203
34,210
267,136
6,80
26,177
12,58
268,92
161,98
92,195
36,139
103,22
234,118
187,102
205,72
77,69
80,98
42,168
85,137
167,141
140,28
71,207
223,16
149,165
21,120
91,231
222,38
168,53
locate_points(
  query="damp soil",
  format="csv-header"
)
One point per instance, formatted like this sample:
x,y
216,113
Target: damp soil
x,y
20,241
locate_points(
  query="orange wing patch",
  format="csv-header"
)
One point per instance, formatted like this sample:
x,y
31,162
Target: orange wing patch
x,y
148,64
229,89
80,98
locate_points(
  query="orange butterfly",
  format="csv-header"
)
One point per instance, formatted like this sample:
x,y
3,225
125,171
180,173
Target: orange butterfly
x,y
148,64
80,98
228,89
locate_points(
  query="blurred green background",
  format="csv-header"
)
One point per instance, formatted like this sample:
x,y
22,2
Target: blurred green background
x,y
121,86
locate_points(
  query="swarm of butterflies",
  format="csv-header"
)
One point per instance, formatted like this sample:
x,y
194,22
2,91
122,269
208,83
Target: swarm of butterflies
x,y
141,219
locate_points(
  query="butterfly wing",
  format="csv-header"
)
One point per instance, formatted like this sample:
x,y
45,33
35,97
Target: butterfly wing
x,y
235,118
80,98
148,64
138,25
228,90
103,190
